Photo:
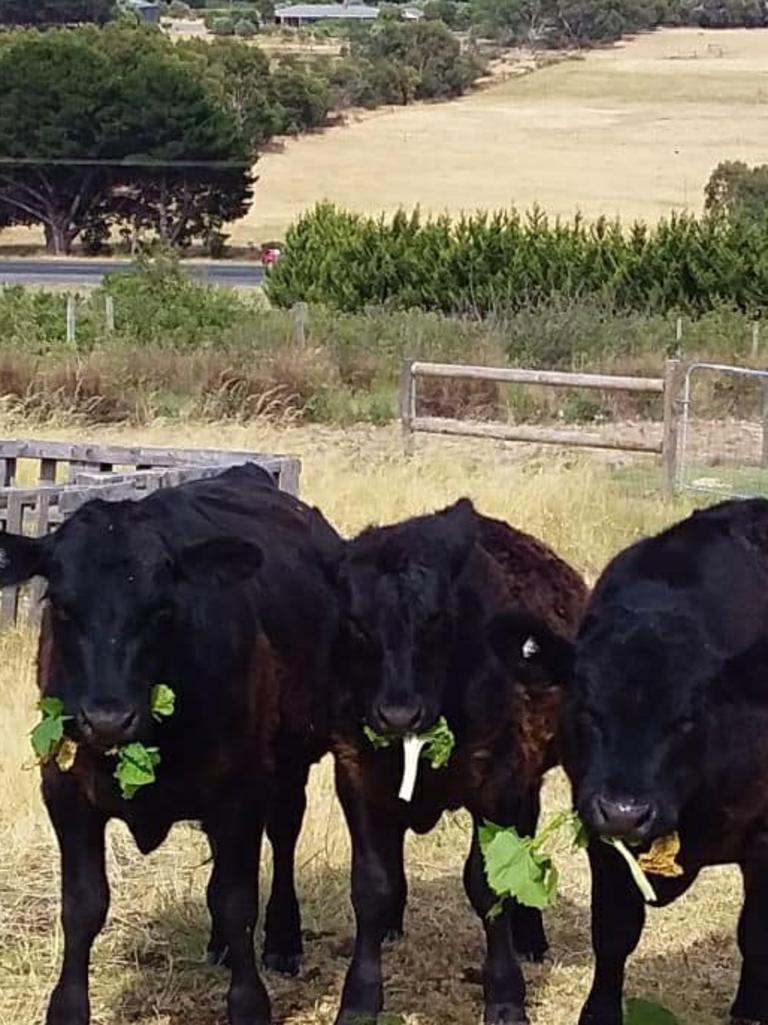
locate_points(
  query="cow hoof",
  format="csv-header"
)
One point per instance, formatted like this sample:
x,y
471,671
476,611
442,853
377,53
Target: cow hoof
x,y
249,1005
286,964
504,1014
593,1018
392,935
68,1006
356,1018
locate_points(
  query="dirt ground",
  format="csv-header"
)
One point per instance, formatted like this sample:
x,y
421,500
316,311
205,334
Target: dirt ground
x,y
634,130
146,965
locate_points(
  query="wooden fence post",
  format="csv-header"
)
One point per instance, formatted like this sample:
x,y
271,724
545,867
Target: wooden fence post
x,y
71,319
299,324
407,406
764,388
755,339
109,313
678,337
669,444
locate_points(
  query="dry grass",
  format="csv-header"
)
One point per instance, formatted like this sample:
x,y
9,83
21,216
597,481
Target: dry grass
x,y
634,130
146,964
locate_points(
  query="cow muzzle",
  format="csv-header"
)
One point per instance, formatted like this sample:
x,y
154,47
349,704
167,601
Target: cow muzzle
x,y
399,718
622,817
107,725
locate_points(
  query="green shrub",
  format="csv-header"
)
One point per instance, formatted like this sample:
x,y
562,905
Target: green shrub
x,y
483,263
245,29
222,26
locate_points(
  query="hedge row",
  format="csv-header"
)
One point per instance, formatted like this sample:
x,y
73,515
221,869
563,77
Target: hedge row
x,y
506,261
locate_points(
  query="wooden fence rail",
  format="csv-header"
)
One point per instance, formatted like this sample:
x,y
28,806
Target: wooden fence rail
x,y
63,476
667,386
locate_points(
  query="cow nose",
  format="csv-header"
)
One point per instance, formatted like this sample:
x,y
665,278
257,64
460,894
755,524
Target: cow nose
x,y
400,718
625,818
108,724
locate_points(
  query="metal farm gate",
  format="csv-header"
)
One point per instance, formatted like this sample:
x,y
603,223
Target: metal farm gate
x,y
724,431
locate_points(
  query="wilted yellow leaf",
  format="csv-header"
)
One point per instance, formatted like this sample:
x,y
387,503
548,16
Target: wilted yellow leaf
x,y
660,859
66,754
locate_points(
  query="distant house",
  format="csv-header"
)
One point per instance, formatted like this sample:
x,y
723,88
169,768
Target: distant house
x,y
296,15
146,10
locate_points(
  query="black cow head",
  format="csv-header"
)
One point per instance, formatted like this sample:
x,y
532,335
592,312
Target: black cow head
x,y
398,587
649,692
112,590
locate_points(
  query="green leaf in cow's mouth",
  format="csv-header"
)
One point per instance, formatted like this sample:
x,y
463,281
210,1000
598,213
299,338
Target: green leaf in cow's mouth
x,y
162,702
136,763
437,747
49,732
136,766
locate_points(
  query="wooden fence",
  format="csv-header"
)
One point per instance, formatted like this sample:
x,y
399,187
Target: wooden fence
x,y
63,476
667,386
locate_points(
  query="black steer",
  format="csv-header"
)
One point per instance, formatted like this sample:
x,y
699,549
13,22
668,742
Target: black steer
x,y
214,588
431,610
667,730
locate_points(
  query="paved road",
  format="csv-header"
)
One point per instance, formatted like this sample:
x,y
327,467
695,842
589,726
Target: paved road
x,y
91,272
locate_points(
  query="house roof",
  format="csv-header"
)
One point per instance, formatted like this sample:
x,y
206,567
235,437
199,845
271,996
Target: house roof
x,y
316,12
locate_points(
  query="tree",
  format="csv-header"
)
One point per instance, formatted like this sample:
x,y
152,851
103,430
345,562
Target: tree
x,y
245,29
427,47
302,99
737,191
88,140
55,94
55,12
239,76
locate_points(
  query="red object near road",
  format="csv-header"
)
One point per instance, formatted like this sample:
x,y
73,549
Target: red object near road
x,y
270,255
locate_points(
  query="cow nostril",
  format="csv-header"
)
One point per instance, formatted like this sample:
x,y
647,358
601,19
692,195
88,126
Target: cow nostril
x,y
400,718
111,724
622,817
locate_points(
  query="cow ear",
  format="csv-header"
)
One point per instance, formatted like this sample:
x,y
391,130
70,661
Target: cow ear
x,y
223,562
458,532
536,655
20,558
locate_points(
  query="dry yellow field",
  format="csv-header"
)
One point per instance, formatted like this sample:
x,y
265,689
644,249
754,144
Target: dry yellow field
x,y
634,130
146,968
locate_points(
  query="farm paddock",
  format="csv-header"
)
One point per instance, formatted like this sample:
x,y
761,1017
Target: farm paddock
x,y
146,965
633,130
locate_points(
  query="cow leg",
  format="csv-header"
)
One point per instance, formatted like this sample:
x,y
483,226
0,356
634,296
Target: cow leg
x,y
282,934
233,898
528,934
503,982
378,898
79,830
216,952
751,1004
618,916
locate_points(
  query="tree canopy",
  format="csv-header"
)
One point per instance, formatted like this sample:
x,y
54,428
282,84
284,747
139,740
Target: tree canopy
x,y
738,191
88,137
